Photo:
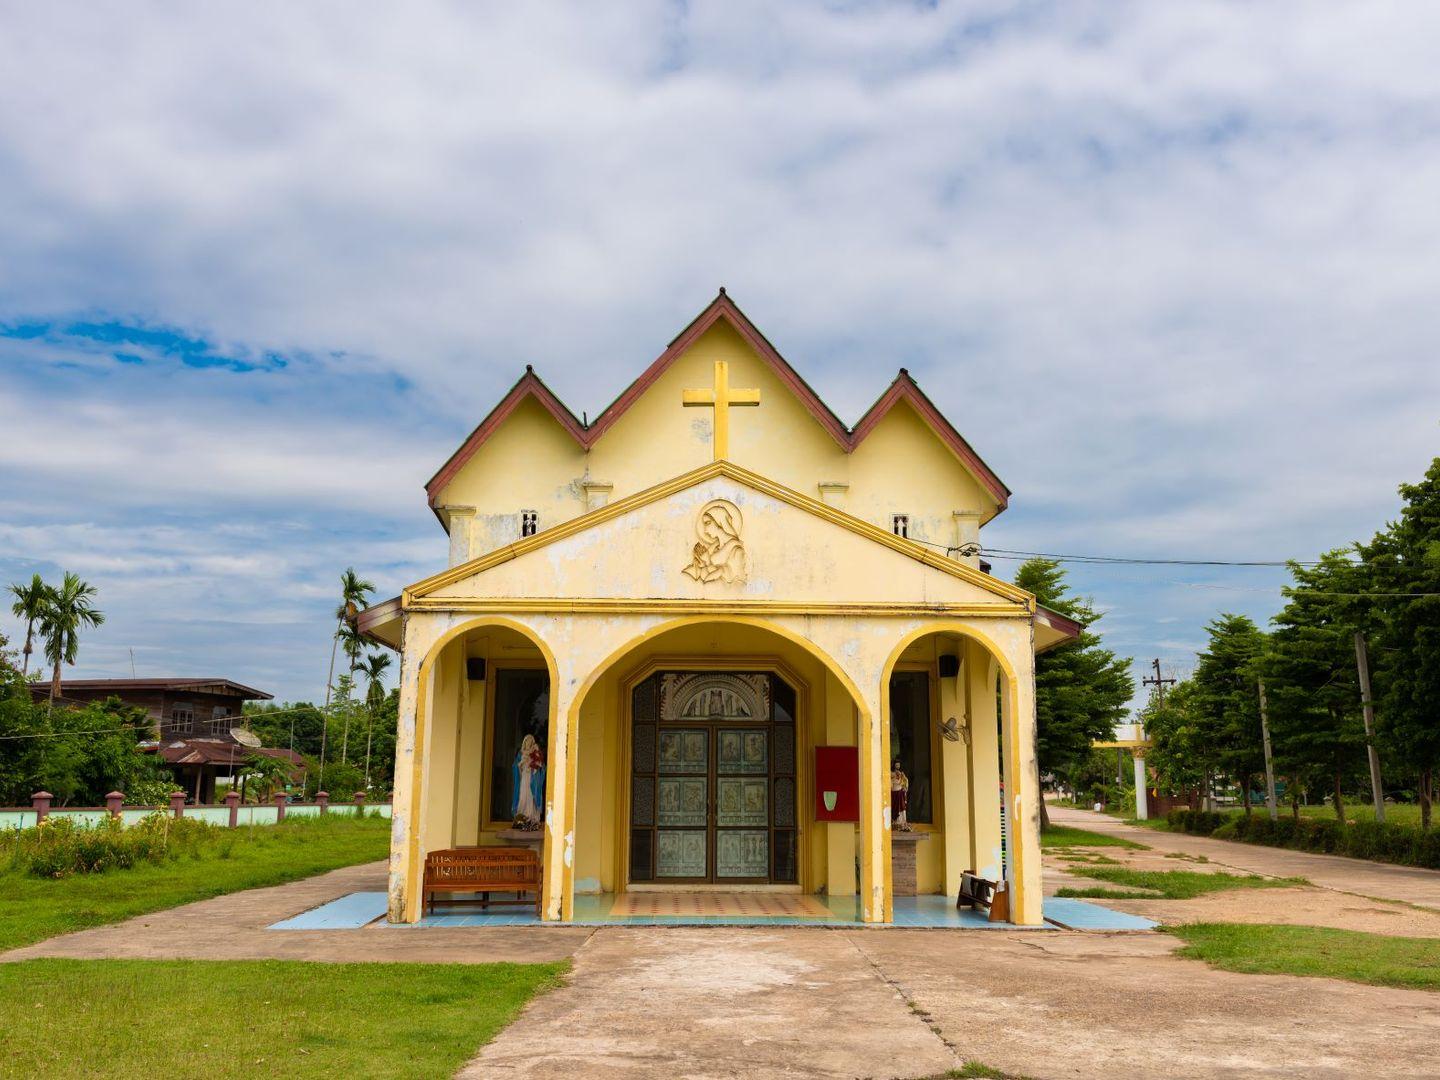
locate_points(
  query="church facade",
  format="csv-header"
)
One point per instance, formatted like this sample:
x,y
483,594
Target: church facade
x,y
715,639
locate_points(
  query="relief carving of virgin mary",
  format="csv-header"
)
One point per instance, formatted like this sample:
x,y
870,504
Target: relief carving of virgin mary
x,y
719,555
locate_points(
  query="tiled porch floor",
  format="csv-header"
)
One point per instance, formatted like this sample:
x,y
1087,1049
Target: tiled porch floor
x,y
711,909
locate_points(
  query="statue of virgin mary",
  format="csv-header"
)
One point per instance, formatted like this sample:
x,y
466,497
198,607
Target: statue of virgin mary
x,y
527,777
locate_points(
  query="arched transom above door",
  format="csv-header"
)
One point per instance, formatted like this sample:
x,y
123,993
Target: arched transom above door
x,y
714,696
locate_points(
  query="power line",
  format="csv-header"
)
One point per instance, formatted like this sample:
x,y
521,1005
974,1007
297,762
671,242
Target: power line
x,y
952,551
1126,560
1121,560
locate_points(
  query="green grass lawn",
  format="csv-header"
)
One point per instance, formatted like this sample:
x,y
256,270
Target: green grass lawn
x,y
1412,963
257,1018
1167,884
1062,836
33,908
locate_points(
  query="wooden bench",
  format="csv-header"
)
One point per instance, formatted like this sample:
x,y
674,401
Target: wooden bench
x,y
976,891
482,870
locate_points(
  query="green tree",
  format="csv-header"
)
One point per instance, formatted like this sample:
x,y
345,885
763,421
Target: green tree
x,y
66,611
1311,685
1404,562
78,755
1227,698
1182,754
374,669
1081,688
30,601
290,725
262,775
354,591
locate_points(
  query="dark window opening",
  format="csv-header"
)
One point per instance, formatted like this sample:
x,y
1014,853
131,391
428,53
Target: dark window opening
x,y
910,741
529,522
900,525
518,756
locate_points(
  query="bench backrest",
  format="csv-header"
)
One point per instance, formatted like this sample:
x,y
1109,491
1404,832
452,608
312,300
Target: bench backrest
x,y
482,865
976,889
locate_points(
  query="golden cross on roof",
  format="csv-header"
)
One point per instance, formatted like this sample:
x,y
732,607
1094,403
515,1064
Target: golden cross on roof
x,y
720,399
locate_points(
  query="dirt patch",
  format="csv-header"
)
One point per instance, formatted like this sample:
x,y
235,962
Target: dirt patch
x,y
1290,907
1303,906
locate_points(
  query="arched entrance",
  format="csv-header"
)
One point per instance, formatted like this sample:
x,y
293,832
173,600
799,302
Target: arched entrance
x,y
990,814
694,746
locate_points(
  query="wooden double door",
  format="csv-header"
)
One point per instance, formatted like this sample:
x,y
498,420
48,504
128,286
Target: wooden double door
x,y
713,795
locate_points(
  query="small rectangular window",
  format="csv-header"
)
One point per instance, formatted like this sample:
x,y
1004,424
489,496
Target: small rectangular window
x,y
182,719
529,522
900,525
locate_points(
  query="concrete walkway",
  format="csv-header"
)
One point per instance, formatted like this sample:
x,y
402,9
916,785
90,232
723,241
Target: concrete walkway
x,y
1358,877
233,927
815,1003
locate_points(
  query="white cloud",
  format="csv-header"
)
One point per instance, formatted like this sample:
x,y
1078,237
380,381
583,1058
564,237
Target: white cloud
x,y
1169,266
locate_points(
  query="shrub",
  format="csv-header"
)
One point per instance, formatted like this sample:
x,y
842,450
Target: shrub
x,y
59,847
1388,842
1199,822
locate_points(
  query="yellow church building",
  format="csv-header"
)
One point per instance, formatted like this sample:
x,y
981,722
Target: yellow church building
x,y
700,637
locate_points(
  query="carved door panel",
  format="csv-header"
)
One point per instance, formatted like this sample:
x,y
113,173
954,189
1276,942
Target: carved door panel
x,y
742,808
713,796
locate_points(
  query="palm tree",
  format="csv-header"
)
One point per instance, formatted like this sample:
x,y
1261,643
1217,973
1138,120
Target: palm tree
x,y
353,592
67,610
352,644
29,604
374,668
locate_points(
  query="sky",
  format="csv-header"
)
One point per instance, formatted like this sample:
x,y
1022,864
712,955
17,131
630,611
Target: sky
x,y
1171,269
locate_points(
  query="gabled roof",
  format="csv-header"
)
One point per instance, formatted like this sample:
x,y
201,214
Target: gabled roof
x,y
904,388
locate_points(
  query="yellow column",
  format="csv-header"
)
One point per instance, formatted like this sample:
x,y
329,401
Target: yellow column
x,y
980,674
875,885
437,821
840,722
955,763
1022,790
560,785
406,856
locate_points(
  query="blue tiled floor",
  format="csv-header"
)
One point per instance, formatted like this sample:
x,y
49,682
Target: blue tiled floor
x,y
929,912
347,913
1079,915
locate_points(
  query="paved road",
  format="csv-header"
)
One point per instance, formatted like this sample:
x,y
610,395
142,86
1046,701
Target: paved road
x,y
1380,880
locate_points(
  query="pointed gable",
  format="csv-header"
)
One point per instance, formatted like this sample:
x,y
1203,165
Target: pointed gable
x,y
919,467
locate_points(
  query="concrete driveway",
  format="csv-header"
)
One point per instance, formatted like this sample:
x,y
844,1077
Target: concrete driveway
x,y
801,1002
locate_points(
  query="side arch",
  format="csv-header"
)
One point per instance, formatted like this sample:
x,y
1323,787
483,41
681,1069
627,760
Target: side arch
x,y
1024,848
414,859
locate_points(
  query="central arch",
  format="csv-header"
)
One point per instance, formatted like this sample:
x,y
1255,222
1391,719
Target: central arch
x,y
693,643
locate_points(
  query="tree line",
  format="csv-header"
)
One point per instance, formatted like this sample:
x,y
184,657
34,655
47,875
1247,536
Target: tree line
x,y
1366,612
80,754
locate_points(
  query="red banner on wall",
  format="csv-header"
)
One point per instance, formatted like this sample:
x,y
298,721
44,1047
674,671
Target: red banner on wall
x,y
837,783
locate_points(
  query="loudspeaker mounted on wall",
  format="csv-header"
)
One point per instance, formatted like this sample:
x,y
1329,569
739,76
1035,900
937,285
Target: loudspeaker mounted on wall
x,y
475,668
949,666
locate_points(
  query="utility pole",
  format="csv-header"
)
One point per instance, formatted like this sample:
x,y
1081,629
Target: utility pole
x,y
1158,683
1269,764
1142,779
1367,706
